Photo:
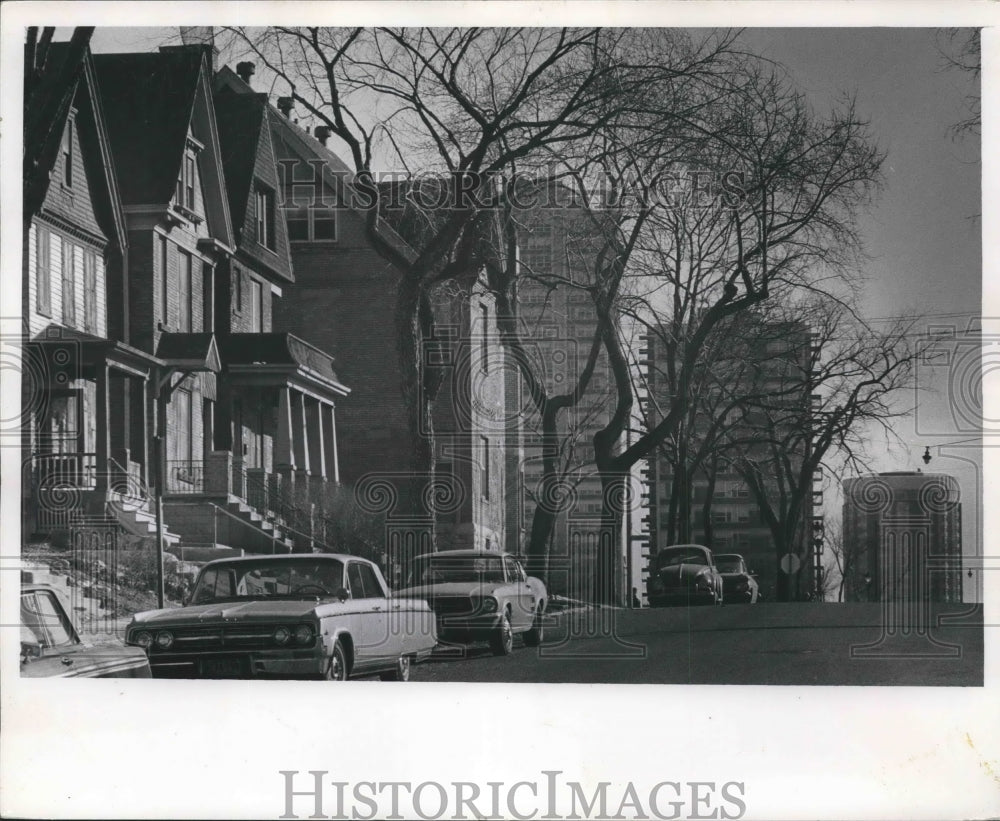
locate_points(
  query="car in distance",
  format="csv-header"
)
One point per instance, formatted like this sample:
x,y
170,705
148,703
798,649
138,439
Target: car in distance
x,y
51,646
320,616
479,595
738,583
684,574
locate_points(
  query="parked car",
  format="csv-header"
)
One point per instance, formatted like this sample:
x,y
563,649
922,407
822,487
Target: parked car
x,y
479,595
684,574
321,616
738,583
51,645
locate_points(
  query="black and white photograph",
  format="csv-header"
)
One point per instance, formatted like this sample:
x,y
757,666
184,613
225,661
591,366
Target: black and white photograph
x,y
585,419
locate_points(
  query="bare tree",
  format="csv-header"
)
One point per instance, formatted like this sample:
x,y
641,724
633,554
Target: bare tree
x,y
848,385
463,104
804,179
960,50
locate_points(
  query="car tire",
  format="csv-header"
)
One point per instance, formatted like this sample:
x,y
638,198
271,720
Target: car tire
x,y
337,669
400,672
502,638
536,634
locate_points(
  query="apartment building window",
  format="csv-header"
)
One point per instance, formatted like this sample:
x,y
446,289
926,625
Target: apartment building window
x,y
484,478
264,216
68,284
311,224
184,293
484,339
67,153
180,439
89,292
256,306
43,285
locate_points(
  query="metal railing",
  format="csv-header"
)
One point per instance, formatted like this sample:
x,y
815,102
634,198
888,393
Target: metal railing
x,y
185,476
59,481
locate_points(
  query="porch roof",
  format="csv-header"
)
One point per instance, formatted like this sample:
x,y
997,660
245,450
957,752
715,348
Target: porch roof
x,y
282,355
97,350
189,351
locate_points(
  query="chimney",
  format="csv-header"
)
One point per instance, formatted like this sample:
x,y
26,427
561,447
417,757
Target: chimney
x,y
201,36
322,133
285,106
246,70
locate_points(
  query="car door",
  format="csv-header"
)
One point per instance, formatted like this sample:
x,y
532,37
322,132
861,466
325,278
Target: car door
x,y
370,608
523,597
45,624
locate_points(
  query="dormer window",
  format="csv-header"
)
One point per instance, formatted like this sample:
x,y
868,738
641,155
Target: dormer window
x,y
186,195
264,217
67,153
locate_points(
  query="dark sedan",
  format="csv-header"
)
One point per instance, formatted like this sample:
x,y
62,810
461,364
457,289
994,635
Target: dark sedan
x,y
738,583
51,647
684,574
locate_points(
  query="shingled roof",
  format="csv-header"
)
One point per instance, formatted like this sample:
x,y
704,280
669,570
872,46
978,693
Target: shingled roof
x,y
148,101
239,118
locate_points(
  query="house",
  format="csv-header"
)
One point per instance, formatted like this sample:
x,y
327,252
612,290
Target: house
x,y
241,413
87,384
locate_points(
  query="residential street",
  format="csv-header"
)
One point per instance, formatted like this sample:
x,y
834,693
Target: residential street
x,y
772,643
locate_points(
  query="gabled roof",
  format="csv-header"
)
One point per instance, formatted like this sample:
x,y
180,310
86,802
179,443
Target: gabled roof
x,y
98,162
152,100
148,100
189,351
240,118
337,173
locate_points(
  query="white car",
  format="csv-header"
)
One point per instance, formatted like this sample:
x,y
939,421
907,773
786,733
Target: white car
x,y
323,616
480,595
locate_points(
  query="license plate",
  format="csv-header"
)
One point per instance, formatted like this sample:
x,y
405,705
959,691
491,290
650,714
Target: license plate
x,y
220,668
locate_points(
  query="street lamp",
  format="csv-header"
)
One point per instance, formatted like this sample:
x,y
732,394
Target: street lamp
x,y
927,455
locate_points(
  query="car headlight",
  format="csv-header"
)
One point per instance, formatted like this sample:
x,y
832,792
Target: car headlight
x,y
164,640
489,604
303,634
703,580
143,638
282,635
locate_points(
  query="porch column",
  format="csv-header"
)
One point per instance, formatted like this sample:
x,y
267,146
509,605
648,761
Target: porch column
x,y
103,428
329,424
302,440
317,452
147,431
284,452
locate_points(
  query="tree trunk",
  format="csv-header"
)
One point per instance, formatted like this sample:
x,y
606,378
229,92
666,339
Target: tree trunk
x,y
548,500
609,580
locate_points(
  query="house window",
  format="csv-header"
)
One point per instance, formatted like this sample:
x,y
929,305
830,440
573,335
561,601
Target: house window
x,y
161,281
484,341
187,181
68,284
311,224
89,292
184,293
43,285
256,306
484,478
67,152
236,285
264,216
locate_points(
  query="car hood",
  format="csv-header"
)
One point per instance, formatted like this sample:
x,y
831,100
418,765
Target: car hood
x,y
264,610
431,591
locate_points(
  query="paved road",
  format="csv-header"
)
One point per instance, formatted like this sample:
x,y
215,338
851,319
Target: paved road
x,y
771,643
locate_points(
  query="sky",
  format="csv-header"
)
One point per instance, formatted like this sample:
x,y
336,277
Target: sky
x,y
922,235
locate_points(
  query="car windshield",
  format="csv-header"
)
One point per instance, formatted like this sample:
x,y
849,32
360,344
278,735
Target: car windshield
x,y
268,579
726,564
441,569
671,556
43,619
